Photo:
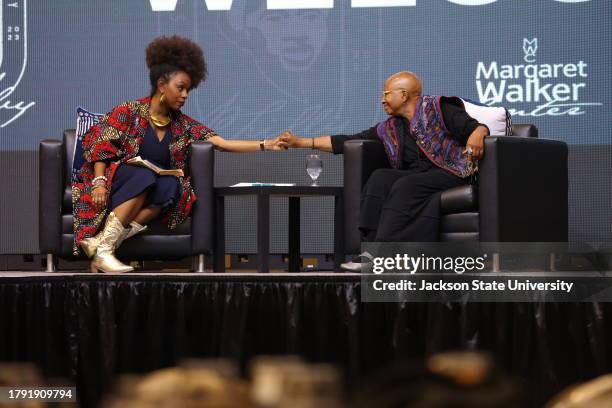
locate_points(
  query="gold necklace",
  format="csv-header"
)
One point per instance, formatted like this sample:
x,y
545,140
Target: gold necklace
x,y
160,123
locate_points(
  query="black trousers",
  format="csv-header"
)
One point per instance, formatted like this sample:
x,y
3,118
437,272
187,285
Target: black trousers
x,y
404,205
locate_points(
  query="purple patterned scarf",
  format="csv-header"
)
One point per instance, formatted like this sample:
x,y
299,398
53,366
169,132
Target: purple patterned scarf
x,y
432,138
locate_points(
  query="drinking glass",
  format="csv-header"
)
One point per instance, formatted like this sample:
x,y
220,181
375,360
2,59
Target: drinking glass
x,y
314,167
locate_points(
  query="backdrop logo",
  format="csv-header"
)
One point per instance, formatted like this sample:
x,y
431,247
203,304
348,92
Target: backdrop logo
x,y
13,58
534,89
530,48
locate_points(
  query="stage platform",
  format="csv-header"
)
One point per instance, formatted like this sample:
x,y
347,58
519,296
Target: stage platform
x,y
89,328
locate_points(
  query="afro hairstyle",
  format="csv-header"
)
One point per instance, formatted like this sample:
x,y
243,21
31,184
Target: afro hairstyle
x,y
167,55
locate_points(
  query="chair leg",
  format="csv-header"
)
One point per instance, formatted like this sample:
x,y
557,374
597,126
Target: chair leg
x,y
198,263
552,263
495,262
50,263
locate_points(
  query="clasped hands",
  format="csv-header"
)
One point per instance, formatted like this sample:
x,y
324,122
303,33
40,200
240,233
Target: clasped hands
x,y
278,143
284,141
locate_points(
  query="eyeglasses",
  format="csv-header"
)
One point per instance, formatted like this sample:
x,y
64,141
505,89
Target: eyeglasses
x,y
385,93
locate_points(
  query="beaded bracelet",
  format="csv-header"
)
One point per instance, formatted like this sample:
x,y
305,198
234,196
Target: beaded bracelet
x,y
96,179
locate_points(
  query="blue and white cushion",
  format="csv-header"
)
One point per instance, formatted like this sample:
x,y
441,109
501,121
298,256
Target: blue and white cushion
x,y
85,120
497,119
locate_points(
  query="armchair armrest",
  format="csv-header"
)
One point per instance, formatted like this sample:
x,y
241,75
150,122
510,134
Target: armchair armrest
x,y
524,130
361,158
202,169
523,190
50,193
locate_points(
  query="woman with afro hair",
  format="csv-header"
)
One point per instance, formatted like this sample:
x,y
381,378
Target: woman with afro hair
x,y
127,197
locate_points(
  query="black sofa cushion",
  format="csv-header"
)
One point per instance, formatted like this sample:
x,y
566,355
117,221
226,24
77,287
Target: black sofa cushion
x,y
458,199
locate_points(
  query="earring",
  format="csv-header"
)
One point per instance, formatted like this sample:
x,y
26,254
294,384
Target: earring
x,y
161,98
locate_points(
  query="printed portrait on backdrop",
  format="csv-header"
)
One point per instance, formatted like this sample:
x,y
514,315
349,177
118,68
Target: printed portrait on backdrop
x,y
293,38
292,71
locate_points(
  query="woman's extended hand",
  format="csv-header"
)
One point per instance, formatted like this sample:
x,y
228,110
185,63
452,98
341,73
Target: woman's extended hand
x,y
277,143
247,145
289,138
99,196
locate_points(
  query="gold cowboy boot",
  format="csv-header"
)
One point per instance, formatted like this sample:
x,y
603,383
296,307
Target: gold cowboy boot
x,y
90,245
104,259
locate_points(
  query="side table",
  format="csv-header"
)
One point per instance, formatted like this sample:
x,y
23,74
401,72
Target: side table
x,y
263,194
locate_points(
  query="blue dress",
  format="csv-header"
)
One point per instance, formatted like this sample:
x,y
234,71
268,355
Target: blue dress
x,y
130,181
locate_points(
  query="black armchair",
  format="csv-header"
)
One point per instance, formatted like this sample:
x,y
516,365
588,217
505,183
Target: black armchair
x,y
520,195
192,238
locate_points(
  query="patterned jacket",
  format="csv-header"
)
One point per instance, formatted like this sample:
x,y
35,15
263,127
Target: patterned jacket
x,y
432,138
116,139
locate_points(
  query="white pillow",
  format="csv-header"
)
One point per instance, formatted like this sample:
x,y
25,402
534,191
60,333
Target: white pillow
x,y
497,119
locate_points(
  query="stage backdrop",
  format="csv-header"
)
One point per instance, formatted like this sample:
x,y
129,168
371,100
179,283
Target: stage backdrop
x,y
316,69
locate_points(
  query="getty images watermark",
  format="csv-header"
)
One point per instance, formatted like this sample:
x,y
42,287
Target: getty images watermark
x,y
480,272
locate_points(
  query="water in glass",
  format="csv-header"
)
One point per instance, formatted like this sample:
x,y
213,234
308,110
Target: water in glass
x,y
314,167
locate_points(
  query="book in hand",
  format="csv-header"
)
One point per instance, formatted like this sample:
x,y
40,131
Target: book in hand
x,y
139,161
